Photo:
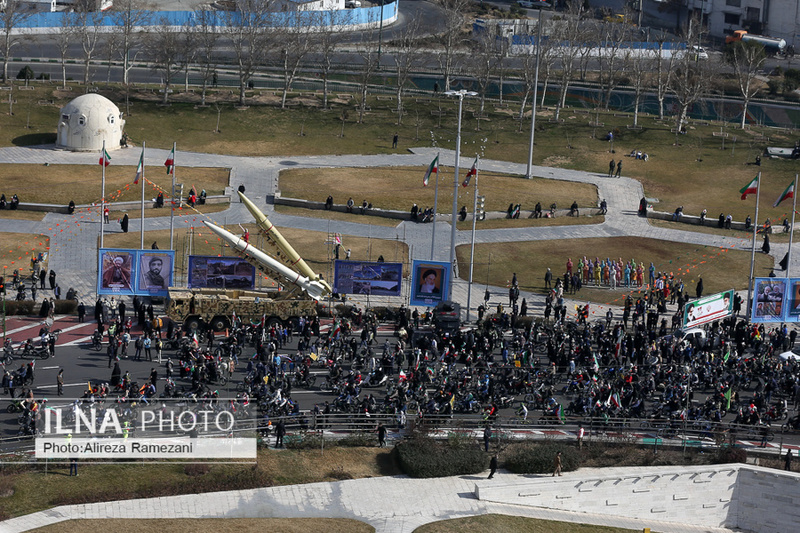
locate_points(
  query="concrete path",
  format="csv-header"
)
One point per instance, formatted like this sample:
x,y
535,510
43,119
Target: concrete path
x,y
390,504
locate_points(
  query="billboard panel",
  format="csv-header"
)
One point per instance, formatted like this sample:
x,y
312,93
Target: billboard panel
x,y
155,272
768,300
708,309
792,313
430,282
220,273
361,277
117,270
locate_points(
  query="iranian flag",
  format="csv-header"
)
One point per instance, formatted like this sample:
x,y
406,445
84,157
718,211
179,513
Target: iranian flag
x,y
105,159
140,168
750,188
170,162
788,193
432,169
472,172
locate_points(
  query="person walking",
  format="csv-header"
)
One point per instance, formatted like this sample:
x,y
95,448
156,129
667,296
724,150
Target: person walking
x,y
611,166
52,280
619,168
487,437
280,431
60,382
557,465
73,466
394,141
382,430
492,466
787,464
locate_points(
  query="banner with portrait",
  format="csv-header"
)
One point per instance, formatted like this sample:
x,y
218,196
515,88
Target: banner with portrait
x,y
210,271
430,282
142,272
792,313
117,271
363,277
769,300
705,310
155,272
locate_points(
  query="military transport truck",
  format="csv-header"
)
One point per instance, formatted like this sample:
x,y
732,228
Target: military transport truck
x,y
198,308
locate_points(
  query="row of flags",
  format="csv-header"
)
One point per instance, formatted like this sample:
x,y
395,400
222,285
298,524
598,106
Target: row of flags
x,y
105,160
433,168
752,188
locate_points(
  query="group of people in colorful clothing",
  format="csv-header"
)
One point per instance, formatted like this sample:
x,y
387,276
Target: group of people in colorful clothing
x,y
614,273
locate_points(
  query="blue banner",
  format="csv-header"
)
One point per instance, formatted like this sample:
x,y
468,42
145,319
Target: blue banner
x,y
361,277
143,272
210,271
769,300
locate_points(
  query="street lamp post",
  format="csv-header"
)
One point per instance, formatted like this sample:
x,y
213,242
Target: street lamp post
x,y
460,94
529,173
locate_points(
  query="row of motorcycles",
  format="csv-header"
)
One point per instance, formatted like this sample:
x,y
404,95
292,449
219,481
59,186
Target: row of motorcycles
x,y
29,349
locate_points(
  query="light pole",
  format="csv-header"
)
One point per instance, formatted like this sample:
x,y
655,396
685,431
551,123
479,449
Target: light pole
x,y
529,173
460,94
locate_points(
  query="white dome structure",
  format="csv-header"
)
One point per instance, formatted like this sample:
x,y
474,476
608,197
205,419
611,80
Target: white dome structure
x,y
87,121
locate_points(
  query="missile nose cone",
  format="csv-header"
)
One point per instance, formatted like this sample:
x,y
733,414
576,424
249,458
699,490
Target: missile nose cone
x,y
255,211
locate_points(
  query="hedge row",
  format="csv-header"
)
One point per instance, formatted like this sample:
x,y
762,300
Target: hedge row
x,y
423,457
539,458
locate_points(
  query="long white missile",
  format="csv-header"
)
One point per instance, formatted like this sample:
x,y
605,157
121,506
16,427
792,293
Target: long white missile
x,y
313,288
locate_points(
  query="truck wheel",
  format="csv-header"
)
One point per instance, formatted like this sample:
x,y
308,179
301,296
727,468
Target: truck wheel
x,y
193,323
274,322
220,323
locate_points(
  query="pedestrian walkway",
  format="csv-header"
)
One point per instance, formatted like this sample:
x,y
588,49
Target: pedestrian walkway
x,y
396,504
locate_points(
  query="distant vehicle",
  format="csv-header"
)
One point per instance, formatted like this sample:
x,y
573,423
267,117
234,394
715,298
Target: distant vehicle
x,y
793,355
618,18
533,4
699,51
772,45
350,4
447,317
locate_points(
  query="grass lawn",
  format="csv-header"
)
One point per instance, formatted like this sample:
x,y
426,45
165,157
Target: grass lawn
x,y
676,174
397,188
16,250
58,184
498,523
720,269
212,525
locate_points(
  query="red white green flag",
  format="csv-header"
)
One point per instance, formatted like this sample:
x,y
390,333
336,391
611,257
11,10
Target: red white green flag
x,y
432,169
105,159
788,193
170,162
750,188
472,172
139,169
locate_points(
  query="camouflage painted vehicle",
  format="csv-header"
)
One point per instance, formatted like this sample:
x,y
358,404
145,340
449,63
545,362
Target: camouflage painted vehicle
x,y
198,308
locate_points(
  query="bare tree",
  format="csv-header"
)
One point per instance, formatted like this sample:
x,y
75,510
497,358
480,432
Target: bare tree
x,y
568,30
690,81
611,64
64,39
368,50
326,40
206,35
245,29
406,54
12,16
482,64
163,48
746,58
638,62
128,16
663,77
295,45
187,50
87,26
451,36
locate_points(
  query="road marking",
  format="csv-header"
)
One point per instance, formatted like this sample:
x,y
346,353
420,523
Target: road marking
x,y
65,384
49,367
82,340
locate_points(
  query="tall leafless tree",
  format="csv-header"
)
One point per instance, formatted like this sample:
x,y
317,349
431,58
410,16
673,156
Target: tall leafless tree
x,y
482,64
129,16
88,27
295,45
691,79
245,29
746,58
163,48
406,55
568,30
451,36
64,39
326,40
206,36
368,51
11,18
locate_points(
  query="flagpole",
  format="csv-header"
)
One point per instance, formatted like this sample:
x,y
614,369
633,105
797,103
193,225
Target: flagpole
x,y
172,200
472,248
753,253
791,228
435,204
141,243
103,194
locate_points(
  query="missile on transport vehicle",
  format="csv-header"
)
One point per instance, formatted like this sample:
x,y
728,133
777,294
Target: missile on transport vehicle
x,y
293,258
313,288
